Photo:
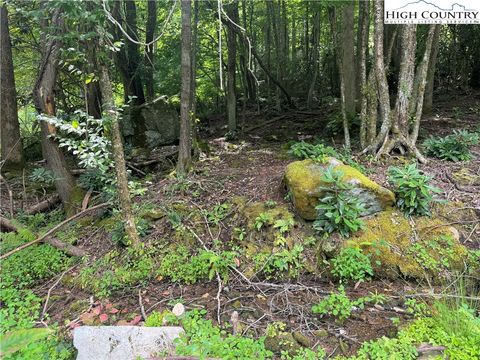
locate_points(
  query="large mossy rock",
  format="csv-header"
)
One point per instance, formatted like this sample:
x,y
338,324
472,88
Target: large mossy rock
x,y
419,248
161,120
303,180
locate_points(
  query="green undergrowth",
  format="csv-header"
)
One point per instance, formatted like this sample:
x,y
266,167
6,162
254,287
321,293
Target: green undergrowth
x,y
21,307
454,326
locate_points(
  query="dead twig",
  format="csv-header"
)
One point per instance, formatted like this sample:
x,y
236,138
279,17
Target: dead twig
x,y
44,311
53,230
44,205
140,302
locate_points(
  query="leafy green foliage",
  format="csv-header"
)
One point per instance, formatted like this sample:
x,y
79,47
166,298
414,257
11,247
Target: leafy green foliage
x,y
412,189
218,213
203,340
42,175
163,318
320,152
454,147
340,306
181,267
282,261
337,304
43,261
455,327
116,271
20,308
13,341
284,225
261,220
338,210
351,264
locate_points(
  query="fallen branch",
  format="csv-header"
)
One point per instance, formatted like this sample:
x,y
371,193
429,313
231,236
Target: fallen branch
x,y
265,123
68,248
44,205
53,230
7,225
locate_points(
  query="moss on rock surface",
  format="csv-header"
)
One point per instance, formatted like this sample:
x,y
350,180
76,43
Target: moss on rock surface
x,y
303,180
420,248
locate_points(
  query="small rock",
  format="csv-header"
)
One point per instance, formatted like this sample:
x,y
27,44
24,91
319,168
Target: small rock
x,y
123,342
178,310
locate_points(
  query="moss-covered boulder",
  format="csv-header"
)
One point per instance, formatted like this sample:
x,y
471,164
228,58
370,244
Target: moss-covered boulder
x,y
303,180
420,248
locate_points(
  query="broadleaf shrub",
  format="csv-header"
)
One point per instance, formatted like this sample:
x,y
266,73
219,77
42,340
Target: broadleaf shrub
x,y
454,147
351,264
412,189
338,210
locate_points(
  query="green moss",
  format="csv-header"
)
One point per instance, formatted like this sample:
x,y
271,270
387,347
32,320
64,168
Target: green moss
x,y
303,179
420,248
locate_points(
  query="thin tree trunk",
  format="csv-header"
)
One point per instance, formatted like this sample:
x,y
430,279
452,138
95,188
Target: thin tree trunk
x,y
184,154
316,50
339,56
193,81
362,46
11,143
111,112
44,99
232,57
347,48
421,82
428,101
149,36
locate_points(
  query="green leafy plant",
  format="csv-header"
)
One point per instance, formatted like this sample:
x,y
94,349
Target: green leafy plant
x,y
454,147
13,341
317,152
261,220
340,306
202,339
42,175
338,210
351,264
284,225
282,261
218,213
412,189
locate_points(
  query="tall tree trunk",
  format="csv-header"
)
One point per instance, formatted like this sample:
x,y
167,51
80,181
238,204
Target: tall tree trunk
x,y
428,101
193,83
11,143
149,36
184,155
361,72
343,78
43,94
111,111
421,78
316,51
232,57
347,55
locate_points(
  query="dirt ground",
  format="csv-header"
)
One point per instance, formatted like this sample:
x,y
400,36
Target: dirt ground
x,y
252,167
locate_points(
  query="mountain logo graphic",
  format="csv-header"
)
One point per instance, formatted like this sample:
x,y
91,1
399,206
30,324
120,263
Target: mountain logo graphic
x,y
452,7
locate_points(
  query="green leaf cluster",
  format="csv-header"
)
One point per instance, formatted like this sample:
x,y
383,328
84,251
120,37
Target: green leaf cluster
x,y
454,147
412,189
338,210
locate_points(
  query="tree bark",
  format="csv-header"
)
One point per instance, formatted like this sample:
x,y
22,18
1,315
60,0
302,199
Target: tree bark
x,y
118,156
428,101
315,60
44,99
361,72
185,146
347,49
11,143
343,87
231,71
149,36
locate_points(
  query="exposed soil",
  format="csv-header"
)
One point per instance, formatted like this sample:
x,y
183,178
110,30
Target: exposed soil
x,y
253,167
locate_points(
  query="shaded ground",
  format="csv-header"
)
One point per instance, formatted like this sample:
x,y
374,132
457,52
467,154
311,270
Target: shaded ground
x,y
252,167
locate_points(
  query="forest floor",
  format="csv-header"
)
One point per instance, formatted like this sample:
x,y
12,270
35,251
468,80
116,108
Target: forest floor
x,y
251,168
